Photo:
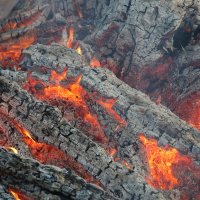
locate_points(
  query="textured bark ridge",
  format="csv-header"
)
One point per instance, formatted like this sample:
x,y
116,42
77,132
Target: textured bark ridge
x,y
70,129
47,125
43,182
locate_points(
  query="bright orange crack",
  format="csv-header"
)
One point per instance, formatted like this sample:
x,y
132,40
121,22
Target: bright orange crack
x,y
57,91
79,50
15,194
108,104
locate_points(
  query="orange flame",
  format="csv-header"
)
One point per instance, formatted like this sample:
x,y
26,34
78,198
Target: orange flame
x,y
76,95
70,38
108,105
161,161
95,63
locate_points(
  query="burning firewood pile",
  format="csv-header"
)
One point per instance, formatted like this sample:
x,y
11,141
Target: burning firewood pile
x,y
100,100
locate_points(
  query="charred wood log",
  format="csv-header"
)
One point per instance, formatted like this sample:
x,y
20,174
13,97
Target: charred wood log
x,y
141,114
108,133
41,182
112,175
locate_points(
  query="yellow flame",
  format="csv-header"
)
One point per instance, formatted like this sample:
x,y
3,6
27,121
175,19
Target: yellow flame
x,y
12,149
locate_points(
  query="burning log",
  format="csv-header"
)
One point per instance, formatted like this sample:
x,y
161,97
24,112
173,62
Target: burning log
x,y
28,177
130,105
61,107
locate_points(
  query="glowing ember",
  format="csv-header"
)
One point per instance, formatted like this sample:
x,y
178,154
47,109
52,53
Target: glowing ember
x,y
189,110
95,63
12,50
76,95
26,22
79,51
15,194
70,38
12,149
80,14
161,161
158,100
72,93
108,105
113,152
127,165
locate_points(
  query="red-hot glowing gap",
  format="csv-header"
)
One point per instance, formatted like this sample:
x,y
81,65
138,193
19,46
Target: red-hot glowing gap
x,y
73,93
168,169
10,51
95,63
160,160
189,110
47,154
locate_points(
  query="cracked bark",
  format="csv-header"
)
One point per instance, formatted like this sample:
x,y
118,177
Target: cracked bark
x,y
126,36
141,114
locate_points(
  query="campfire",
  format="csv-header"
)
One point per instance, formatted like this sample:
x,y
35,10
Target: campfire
x,y
99,100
